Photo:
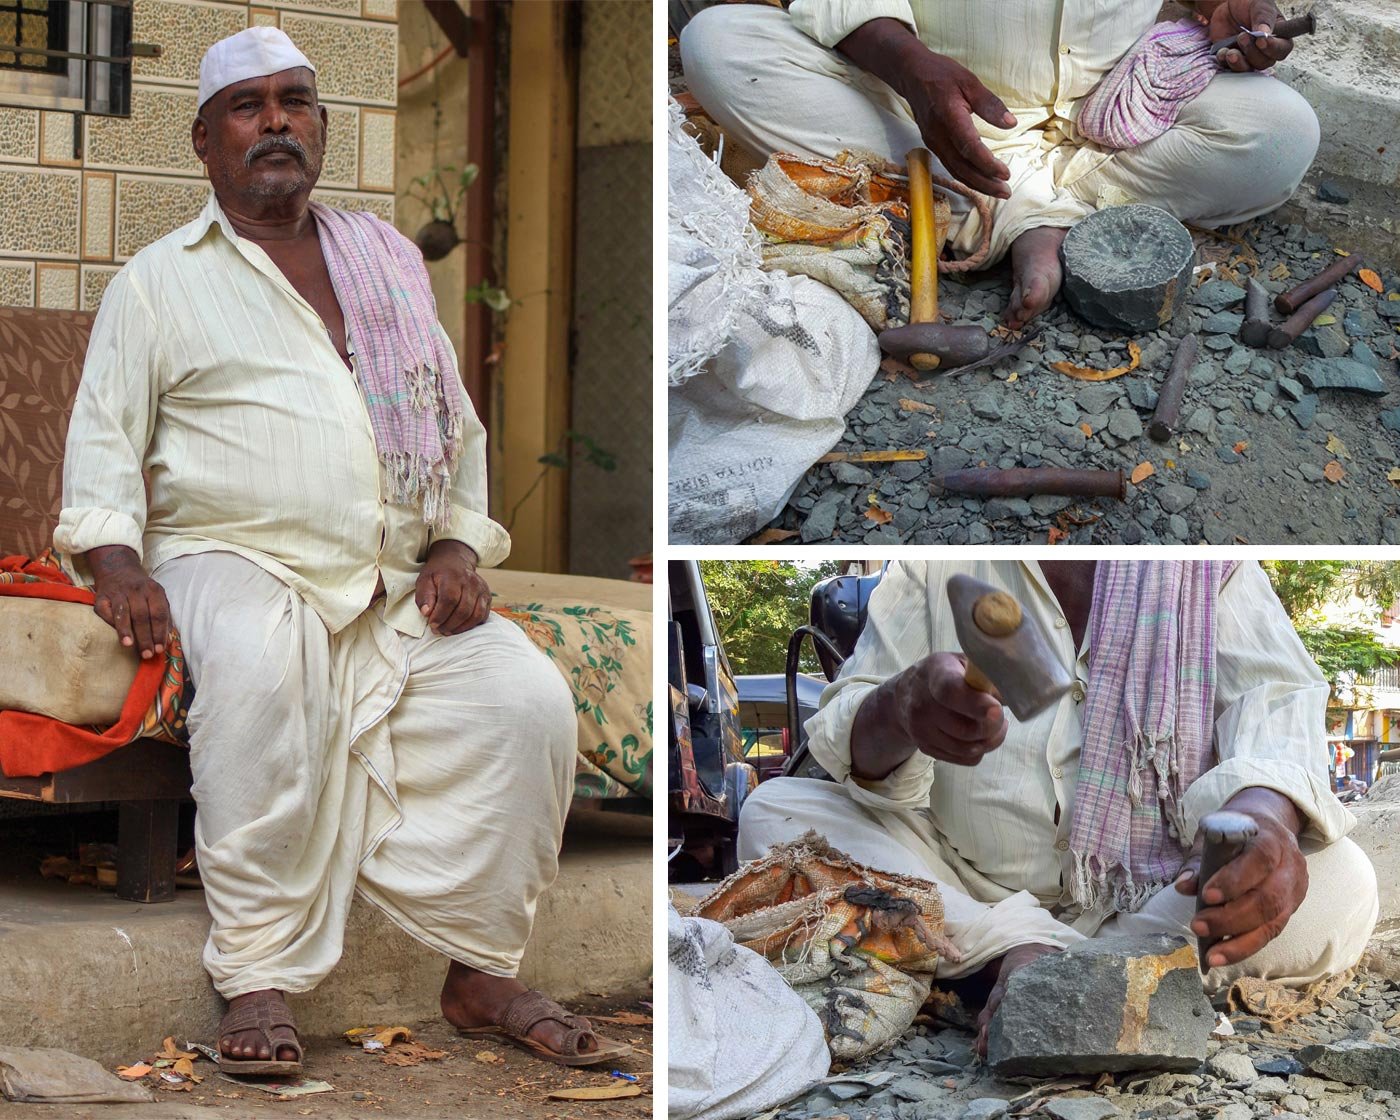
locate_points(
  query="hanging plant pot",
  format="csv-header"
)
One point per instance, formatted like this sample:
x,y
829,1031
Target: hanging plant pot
x,y
437,239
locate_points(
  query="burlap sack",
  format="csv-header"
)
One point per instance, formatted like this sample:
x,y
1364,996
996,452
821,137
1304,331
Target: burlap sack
x,y
859,946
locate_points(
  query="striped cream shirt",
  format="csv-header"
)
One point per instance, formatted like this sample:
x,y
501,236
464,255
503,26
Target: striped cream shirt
x,y
1004,824
210,373
1039,56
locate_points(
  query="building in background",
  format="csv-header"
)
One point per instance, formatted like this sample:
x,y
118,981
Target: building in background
x,y
1364,716
547,294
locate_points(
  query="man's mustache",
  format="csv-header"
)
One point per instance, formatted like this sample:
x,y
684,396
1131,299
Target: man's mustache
x,y
270,144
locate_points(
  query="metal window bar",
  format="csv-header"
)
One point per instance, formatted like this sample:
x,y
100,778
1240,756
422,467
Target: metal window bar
x,y
18,48
101,85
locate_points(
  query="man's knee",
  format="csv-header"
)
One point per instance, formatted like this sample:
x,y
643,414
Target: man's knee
x,y
1266,136
1292,132
713,41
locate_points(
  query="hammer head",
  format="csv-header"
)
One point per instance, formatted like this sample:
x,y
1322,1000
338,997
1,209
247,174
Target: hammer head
x,y
1021,663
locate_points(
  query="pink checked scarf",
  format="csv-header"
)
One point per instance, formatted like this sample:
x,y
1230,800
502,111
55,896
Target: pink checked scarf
x,y
406,370
1166,69
1148,725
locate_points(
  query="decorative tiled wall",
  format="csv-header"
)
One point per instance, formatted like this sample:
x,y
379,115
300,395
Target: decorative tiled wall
x,y
74,207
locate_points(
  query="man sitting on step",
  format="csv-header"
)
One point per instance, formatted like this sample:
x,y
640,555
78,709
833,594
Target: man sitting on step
x,y
362,723
1192,693
995,91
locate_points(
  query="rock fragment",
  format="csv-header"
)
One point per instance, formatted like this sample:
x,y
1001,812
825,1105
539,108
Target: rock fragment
x,y
1342,374
1233,1067
1355,1062
1081,1108
1051,1021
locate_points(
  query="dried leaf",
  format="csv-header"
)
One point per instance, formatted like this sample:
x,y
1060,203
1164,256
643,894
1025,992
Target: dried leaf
x,y
1171,464
1394,477
1393,297
1084,373
185,1068
1326,320
879,516
383,1036
917,406
1141,471
489,1057
1241,447
411,1054
627,1018
772,536
1337,447
1279,272
134,1073
597,1093
171,1051
1014,376
1056,535
1334,471
1087,429
873,456
1371,280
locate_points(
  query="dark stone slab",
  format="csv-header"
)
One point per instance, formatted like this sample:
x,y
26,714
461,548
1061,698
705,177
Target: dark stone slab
x,y
1128,268
1342,375
1355,1061
1104,1005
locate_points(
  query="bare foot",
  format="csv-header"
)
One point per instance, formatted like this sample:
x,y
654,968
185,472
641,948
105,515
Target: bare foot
x,y
474,999
251,1045
1036,273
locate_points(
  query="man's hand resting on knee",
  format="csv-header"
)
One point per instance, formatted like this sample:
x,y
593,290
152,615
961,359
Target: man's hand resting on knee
x,y
928,708
129,600
1251,898
943,95
450,595
1258,51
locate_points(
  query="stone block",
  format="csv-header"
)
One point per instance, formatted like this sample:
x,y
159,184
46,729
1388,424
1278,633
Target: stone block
x,y
16,284
155,139
263,17
149,208
56,140
377,150
56,286
99,215
19,135
1055,1018
94,283
381,9
1128,268
184,31
39,212
332,7
342,163
355,61
1344,375
1356,1061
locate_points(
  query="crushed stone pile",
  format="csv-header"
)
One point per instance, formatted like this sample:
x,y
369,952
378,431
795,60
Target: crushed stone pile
x,y
1341,1062
1295,446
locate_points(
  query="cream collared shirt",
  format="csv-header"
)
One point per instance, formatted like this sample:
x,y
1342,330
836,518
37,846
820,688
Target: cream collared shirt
x,y
1004,825
208,371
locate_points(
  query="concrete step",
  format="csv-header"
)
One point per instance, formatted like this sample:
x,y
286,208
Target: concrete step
x,y
85,972
1350,72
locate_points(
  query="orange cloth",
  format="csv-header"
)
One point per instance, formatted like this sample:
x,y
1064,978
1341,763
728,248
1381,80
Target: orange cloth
x,y
31,745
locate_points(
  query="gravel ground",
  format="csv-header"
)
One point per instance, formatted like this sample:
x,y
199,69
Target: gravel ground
x,y
1253,1075
1250,463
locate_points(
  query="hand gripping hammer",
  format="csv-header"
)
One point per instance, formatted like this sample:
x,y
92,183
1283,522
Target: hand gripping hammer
x,y
1226,834
1006,648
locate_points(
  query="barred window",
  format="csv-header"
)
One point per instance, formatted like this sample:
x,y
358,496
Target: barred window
x,y
67,54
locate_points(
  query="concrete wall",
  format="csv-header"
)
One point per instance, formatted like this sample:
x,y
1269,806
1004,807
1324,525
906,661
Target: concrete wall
x,y
432,133
67,224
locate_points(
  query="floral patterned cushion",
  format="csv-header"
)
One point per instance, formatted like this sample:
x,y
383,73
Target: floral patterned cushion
x,y
605,655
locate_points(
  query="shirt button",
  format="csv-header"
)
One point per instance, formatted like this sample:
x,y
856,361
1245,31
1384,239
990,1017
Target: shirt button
x,y
1066,50
1077,692
1060,624
1062,846
1057,773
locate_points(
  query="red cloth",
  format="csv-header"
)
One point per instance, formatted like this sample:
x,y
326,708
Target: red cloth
x,y
32,745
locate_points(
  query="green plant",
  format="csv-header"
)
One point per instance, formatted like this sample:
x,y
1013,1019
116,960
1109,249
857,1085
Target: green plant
x,y
573,447
432,192
757,605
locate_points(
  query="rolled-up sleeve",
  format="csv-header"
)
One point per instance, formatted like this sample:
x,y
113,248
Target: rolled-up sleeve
x,y
897,634
830,21
468,521
1271,708
104,495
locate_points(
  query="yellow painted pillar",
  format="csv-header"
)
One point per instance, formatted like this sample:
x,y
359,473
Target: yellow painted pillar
x,y
532,387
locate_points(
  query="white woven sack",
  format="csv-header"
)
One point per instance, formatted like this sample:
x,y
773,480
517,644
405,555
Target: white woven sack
x,y
741,1040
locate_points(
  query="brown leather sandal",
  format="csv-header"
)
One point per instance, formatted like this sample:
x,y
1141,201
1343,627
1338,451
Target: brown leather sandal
x,y
270,1017
527,1010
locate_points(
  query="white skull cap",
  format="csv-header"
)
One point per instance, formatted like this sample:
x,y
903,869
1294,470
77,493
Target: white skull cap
x,y
253,53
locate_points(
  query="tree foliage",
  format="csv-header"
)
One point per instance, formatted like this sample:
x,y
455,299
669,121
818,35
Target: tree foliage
x,y
757,605
1304,586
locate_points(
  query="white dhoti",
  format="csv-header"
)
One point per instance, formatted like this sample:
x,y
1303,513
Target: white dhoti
x,y
1327,933
431,775
1237,151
